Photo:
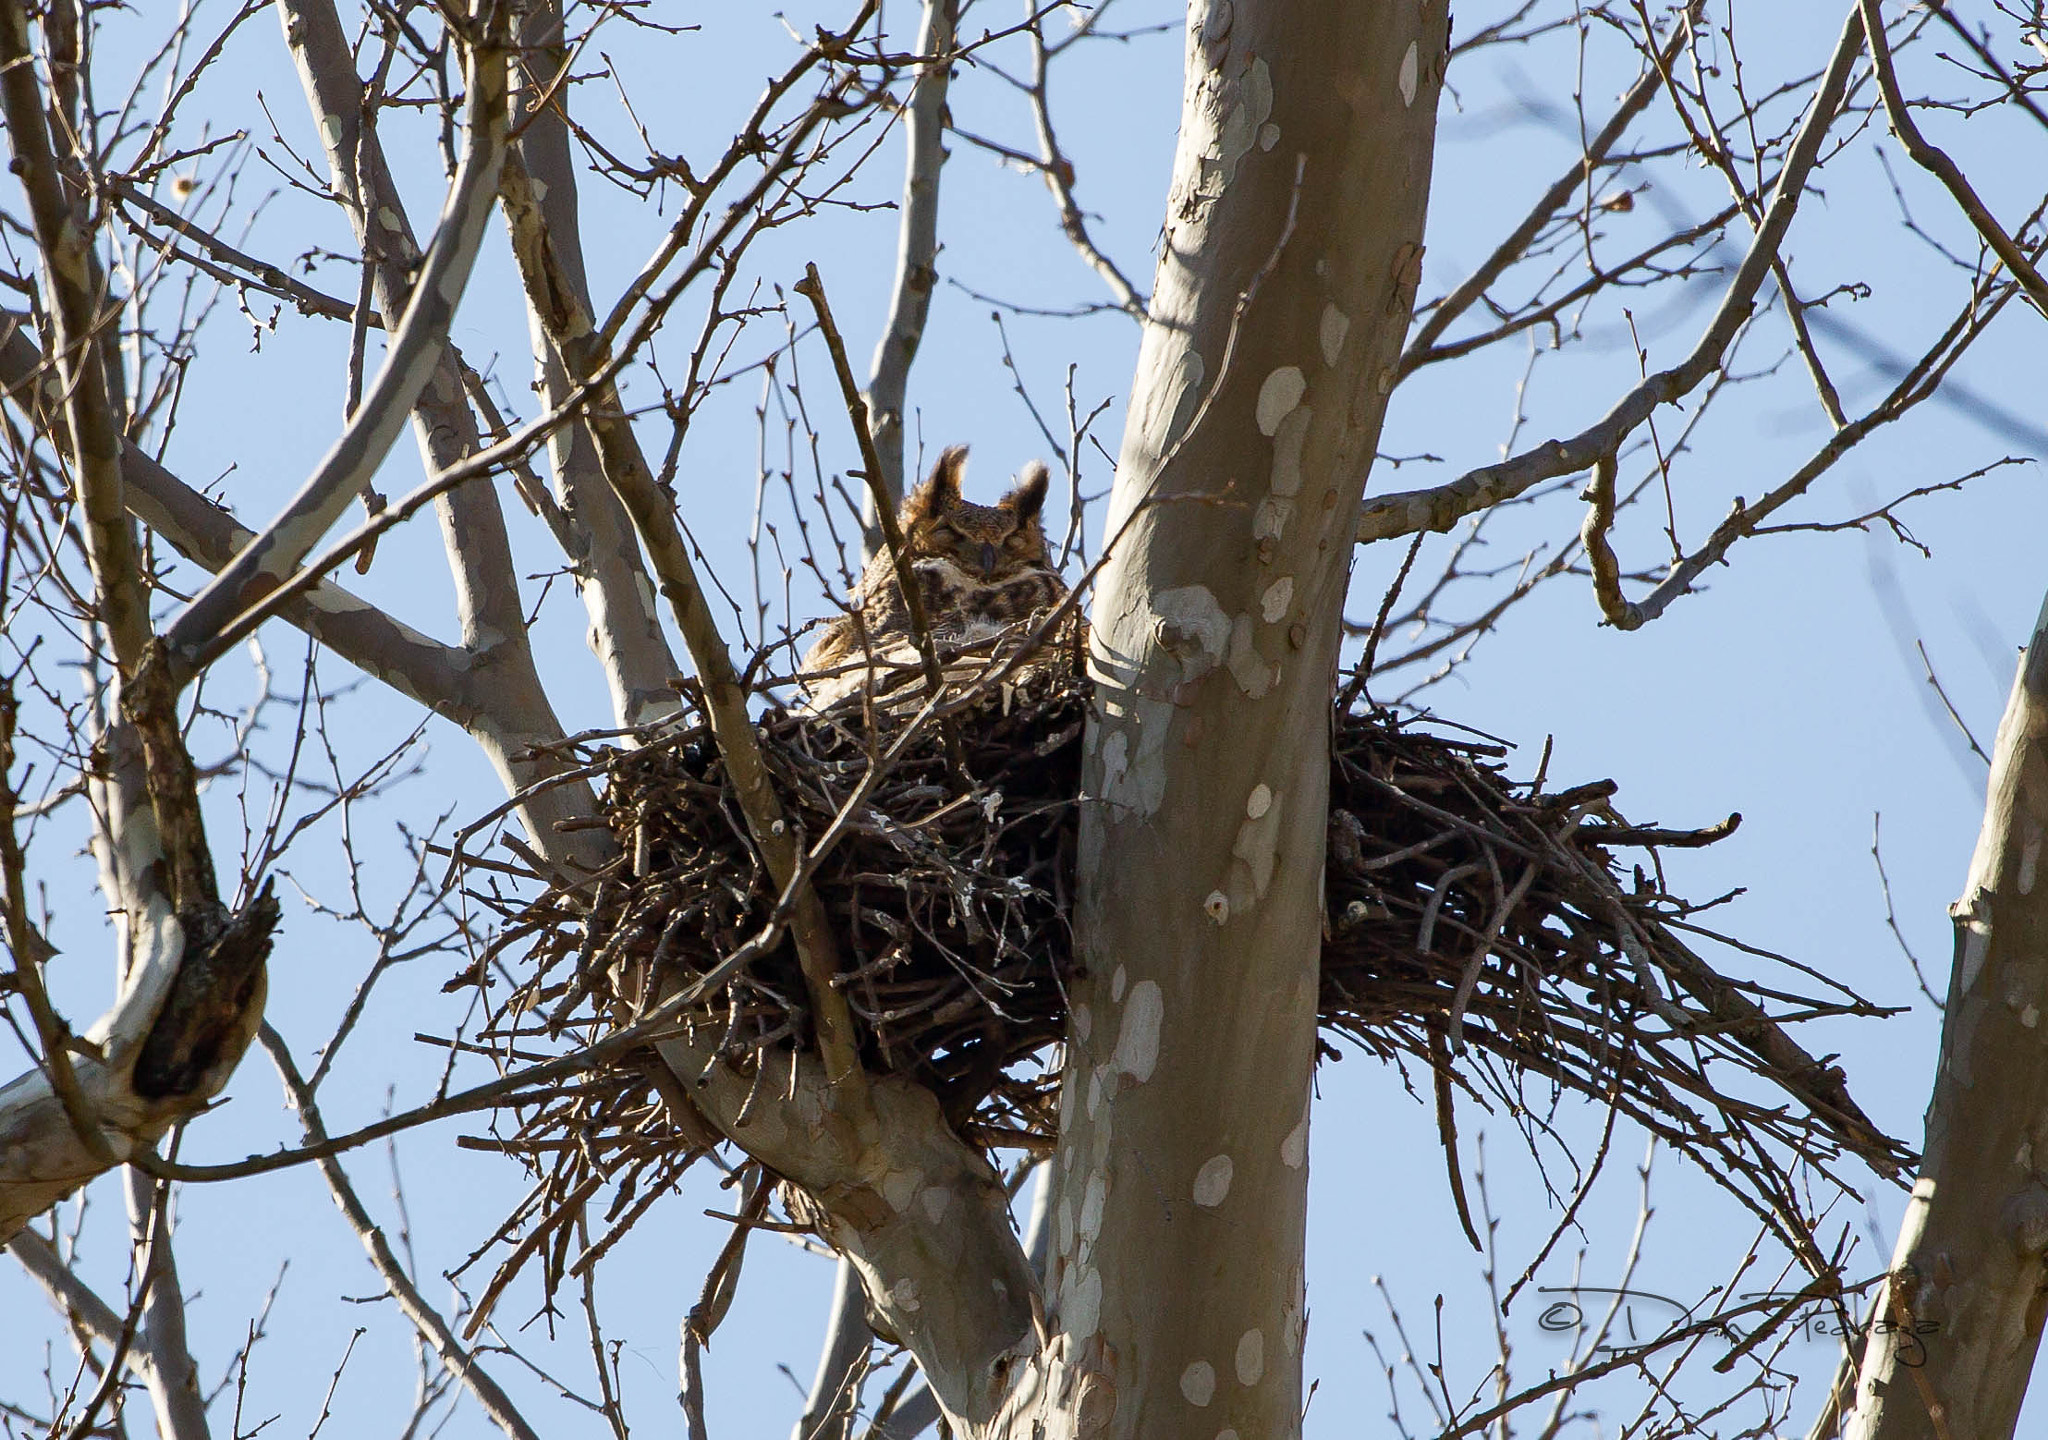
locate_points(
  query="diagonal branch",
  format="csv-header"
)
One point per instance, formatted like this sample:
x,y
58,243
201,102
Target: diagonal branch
x,y
581,350
625,630
415,352
1935,160
1420,347
418,666
434,1332
881,503
75,294
1746,518
1438,509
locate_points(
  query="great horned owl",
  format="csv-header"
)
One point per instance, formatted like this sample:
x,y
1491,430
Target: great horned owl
x,y
981,570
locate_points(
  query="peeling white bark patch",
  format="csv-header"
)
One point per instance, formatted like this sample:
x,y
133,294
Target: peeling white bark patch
x,y
1249,668
1279,595
1269,521
2030,1016
1294,1149
1082,1309
1094,1093
1287,448
1269,135
2030,856
1133,755
1217,907
1976,945
1258,842
935,1200
1198,1383
1137,1042
904,1293
1335,326
1116,759
899,1188
1242,122
1259,801
1117,982
1089,1225
1251,1357
1192,627
539,187
1084,1022
330,129
1410,66
1212,1181
1278,396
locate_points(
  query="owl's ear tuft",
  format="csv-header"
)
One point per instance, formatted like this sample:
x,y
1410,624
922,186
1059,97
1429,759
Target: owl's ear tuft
x,y
941,489
1027,498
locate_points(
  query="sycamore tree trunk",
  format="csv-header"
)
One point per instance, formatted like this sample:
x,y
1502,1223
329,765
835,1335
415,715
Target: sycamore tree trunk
x,y
1955,1329
1291,251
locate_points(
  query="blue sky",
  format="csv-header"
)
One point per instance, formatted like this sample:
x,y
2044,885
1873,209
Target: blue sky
x,y
1789,688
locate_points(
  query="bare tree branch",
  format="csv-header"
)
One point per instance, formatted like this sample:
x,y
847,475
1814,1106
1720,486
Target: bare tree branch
x,y
1936,161
917,251
1385,516
625,632
434,1331
410,361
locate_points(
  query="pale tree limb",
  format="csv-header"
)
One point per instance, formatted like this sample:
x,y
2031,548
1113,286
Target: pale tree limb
x,y
517,716
90,1316
929,1239
418,666
918,1410
1961,1309
190,976
413,358
829,1408
624,631
919,1214
1386,516
434,1332
171,1375
1936,161
1176,1286
917,252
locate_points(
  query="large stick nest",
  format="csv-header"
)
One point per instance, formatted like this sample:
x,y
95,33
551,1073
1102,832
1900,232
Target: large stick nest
x,y
1481,926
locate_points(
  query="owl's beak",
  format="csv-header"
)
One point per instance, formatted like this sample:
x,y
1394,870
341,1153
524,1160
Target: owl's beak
x,y
988,559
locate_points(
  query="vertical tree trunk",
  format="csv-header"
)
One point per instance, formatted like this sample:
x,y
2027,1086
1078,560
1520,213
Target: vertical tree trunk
x,y
1959,1320
1291,251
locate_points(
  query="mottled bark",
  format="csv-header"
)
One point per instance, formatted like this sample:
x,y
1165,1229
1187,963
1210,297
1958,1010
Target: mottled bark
x,y
1291,252
1958,1322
